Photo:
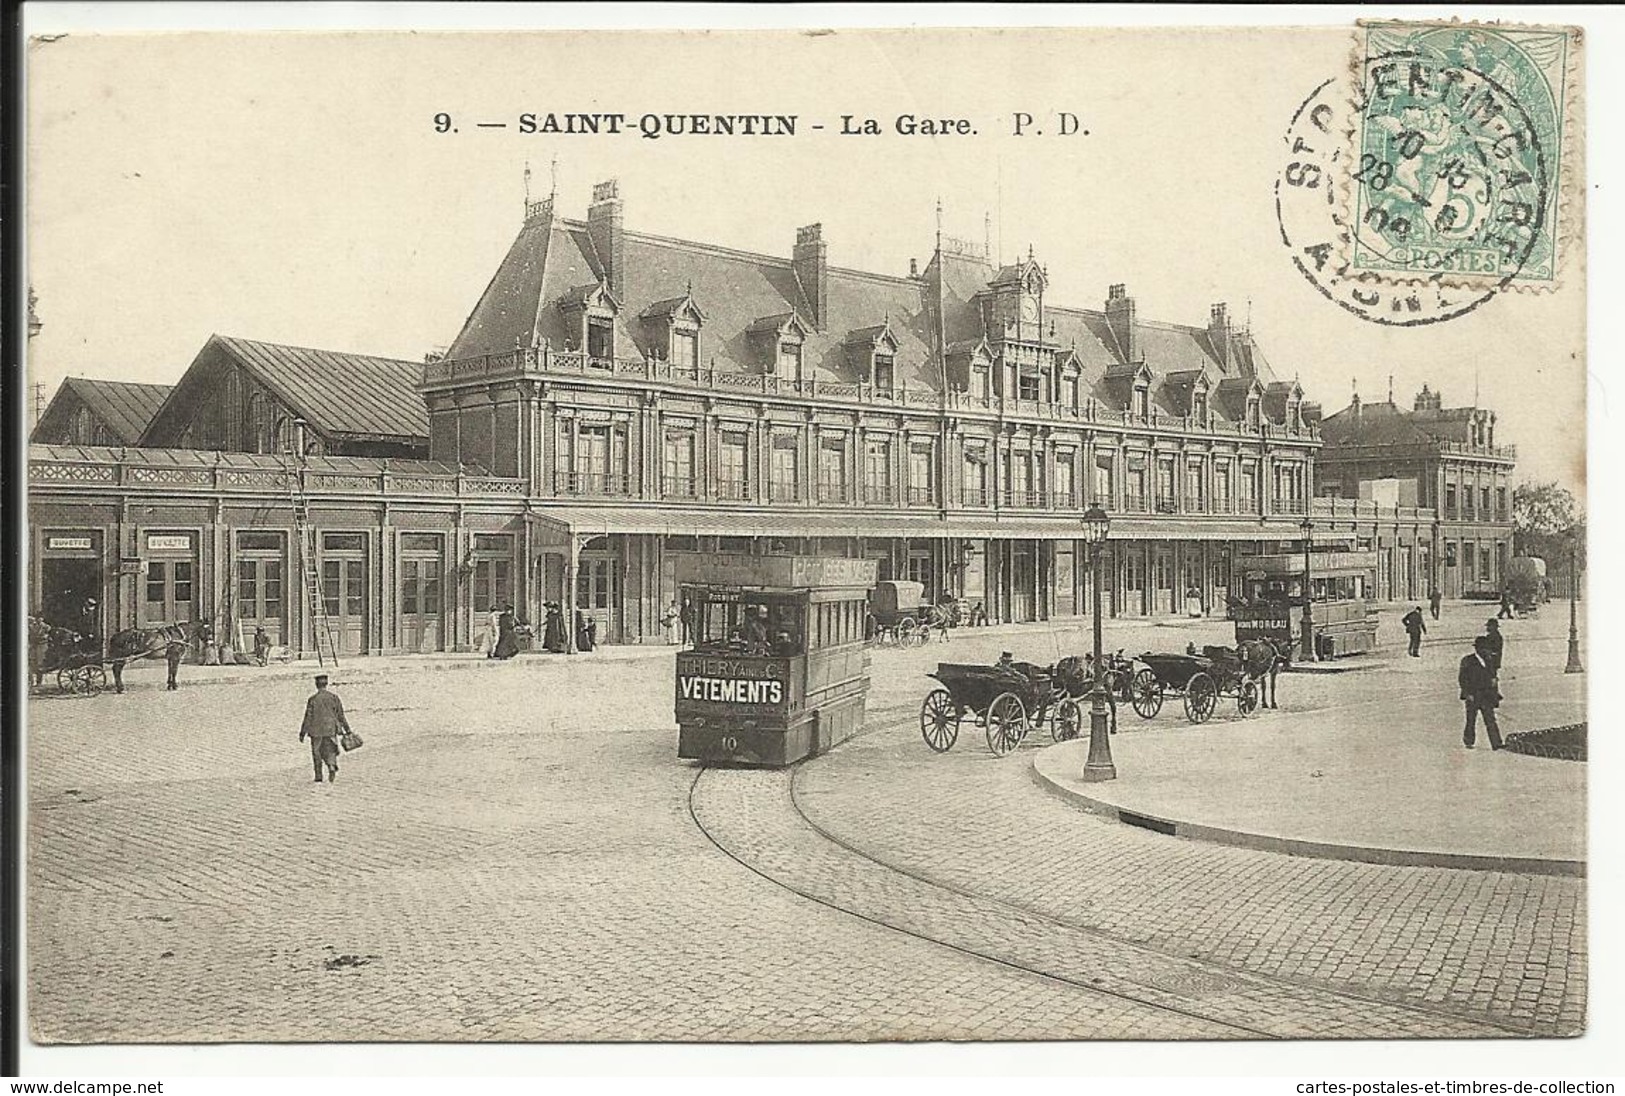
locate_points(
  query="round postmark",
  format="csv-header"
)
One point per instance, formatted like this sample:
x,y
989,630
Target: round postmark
x,y
1416,197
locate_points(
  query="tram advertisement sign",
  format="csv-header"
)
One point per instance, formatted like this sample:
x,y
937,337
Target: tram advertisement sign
x,y
1273,621
724,680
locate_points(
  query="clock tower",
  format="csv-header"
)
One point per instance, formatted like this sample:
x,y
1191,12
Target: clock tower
x,y
1015,303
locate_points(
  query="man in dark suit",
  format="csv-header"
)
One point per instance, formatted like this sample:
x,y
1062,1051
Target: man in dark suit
x,y
1414,628
1481,692
324,722
1497,643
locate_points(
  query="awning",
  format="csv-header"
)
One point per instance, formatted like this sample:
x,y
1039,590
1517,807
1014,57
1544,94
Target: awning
x,y
555,525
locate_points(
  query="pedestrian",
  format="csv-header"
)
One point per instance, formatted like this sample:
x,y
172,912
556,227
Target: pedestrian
x,y
1433,602
493,631
1480,692
1414,627
1506,605
324,722
262,646
507,638
585,627
1497,643
553,631
669,624
686,617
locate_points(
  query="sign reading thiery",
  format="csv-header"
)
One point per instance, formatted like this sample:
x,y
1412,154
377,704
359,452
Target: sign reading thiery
x,y
721,680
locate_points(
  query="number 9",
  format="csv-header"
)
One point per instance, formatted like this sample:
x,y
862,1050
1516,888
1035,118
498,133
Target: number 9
x,y
442,123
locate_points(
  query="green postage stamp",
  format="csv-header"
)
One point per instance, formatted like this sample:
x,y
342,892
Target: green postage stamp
x,y
1462,143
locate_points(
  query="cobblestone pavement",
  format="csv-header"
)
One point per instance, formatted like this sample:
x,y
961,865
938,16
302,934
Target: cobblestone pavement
x,y
533,872
540,879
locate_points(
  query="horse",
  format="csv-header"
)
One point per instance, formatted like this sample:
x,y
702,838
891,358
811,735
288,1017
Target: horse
x,y
168,641
1262,659
48,647
1075,676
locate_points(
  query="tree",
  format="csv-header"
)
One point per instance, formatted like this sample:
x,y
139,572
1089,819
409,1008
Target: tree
x,y
1547,522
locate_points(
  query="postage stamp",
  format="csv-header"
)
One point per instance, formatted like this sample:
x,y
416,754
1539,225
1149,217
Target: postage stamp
x,y
1458,153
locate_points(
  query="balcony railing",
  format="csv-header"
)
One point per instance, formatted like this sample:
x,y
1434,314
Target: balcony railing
x,y
731,489
1135,503
1068,500
1294,507
1025,500
1246,506
832,491
542,361
1167,505
922,496
879,494
591,483
678,487
973,496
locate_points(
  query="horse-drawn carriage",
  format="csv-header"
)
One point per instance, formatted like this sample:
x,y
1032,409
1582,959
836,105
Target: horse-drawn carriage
x,y
1201,680
899,614
76,661
81,663
1007,700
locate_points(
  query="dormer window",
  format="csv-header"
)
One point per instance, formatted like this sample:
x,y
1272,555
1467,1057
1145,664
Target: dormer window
x,y
1252,412
674,328
979,384
1199,406
885,372
685,347
1029,384
789,360
1142,401
600,338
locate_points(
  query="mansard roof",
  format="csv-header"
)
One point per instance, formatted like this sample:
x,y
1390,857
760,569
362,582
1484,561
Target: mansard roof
x,y
1388,424
745,293
338,394
124,407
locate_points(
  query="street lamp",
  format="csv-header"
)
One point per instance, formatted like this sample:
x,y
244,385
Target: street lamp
x,y
1096,524
1308,627
1574,666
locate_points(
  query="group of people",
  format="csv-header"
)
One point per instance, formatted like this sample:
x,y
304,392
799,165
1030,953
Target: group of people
x,y
503,630
1478,677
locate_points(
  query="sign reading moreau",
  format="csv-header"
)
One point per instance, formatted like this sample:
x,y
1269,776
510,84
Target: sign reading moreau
x,y
720,679
1264,622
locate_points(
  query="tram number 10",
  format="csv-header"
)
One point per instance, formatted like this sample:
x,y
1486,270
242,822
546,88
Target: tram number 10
x,y
729,743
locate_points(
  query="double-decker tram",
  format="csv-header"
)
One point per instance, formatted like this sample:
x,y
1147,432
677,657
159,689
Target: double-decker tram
x,y
778,669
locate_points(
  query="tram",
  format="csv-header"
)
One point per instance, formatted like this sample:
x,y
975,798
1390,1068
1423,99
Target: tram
x,y
779,670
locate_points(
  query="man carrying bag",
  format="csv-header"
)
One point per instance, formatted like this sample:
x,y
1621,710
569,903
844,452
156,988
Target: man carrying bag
x,y
324,724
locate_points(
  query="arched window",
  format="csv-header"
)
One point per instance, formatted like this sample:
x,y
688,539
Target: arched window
x,y
81,432
257,424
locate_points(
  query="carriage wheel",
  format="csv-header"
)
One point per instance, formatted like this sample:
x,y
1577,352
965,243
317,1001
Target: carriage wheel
x,y
1201,697
905,631
1006,723
94,679
1068,720
64,680
1145,693
1247,697
939,720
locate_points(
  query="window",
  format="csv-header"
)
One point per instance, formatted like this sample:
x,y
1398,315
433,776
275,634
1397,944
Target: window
x,y
1484,564
1142,401
1484,502
732,479
1103,481
493,571
1195,488
1028,386
595,584
679,463
156,571
685,349
1252,412
183,580
1134,493
1449,553
1166,503
832,469
921,467
344,542
600,339
885,372
975,475
877,470
600,459
1069,392
1063,479
420,542
785,468
1248,494
1501,503
259,542
979,383
261,434
1450,502
1199,407
790,360
1221,486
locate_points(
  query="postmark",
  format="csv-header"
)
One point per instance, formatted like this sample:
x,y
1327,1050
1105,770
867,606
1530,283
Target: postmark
x,y
1457,153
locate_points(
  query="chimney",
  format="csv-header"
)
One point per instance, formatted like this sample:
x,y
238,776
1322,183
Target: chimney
x,y
608,236
1120,318
914,268
811,262
1218,329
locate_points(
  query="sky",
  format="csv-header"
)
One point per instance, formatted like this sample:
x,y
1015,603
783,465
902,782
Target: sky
x,y
293,188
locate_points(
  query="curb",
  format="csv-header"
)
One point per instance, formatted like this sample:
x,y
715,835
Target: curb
x,y
1291,846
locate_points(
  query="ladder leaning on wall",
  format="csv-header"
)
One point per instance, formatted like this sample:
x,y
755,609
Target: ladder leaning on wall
x,y
310,577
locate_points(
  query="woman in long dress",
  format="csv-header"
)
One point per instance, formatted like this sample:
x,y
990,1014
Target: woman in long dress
x,y
493,628
553,635
507,638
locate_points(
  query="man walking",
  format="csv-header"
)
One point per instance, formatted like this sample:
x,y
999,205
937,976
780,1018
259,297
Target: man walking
x,y
1433,602
1496,641
1414,628
324,722
1506,605
1481,692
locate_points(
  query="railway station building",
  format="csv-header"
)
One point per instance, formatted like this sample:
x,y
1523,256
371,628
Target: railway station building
x,y
617,398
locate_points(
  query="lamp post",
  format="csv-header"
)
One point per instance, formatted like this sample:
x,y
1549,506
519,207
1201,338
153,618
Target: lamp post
x,y
1574,666
1099,767
1308,626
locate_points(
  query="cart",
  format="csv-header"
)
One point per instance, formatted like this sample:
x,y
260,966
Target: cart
x,y
80,668
1006,700
898,613
1200,680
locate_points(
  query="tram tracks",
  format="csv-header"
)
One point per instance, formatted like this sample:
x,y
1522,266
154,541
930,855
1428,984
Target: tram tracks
x,y
1231,1002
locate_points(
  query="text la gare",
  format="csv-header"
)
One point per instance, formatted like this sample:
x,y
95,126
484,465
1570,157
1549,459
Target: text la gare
x,y
909,125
